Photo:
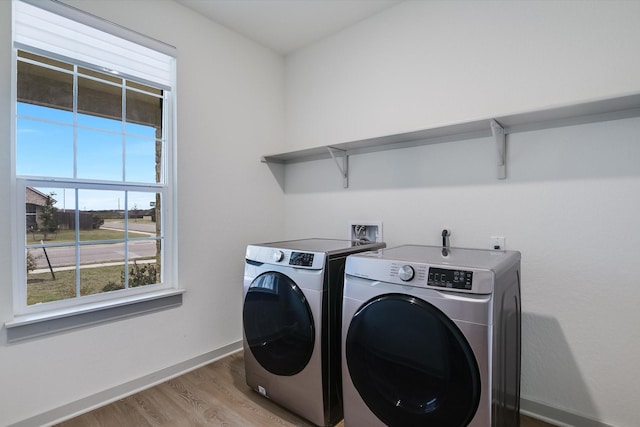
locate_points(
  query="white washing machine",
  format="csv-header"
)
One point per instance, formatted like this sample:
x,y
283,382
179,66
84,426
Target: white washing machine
x,y
431,337
292,317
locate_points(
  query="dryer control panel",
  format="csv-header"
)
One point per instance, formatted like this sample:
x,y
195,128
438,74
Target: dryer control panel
x,y
445,278
425,276
465,271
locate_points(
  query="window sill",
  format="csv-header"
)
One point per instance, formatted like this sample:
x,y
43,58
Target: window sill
x,y
33,325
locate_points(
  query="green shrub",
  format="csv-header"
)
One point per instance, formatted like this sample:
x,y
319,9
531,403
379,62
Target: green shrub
x,y
112,286
139,275
31,261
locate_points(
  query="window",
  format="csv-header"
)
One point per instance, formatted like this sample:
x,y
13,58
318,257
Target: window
x,y
94,171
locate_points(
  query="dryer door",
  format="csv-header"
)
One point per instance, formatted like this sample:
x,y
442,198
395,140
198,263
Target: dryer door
x,y
411,364
278,324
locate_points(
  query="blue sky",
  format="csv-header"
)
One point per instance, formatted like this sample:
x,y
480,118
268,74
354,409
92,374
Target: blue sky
x,y
45,147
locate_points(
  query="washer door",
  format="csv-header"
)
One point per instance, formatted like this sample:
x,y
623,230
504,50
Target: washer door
x,y
411,364
278,324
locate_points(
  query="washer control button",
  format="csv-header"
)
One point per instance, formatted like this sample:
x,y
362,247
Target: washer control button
x,y
406,273
277,256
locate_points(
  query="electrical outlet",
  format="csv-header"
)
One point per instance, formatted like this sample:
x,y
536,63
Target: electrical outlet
x,y
365,231
496,243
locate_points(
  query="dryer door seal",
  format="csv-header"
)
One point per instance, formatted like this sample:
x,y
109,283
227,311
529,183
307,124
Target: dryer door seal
x,y
411,364
278,324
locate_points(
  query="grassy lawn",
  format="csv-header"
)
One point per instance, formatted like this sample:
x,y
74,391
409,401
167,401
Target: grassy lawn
x,y
42,287
85,235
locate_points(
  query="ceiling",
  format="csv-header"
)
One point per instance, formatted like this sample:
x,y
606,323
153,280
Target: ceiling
x,y
287,25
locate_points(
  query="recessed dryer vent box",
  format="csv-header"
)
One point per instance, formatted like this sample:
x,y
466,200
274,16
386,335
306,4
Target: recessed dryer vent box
x,y
365,231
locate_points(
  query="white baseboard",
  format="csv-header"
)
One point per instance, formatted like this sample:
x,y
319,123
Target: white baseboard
x,y
556,416
105,397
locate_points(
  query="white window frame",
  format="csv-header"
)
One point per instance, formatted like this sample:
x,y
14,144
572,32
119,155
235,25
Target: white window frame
x,y
34,320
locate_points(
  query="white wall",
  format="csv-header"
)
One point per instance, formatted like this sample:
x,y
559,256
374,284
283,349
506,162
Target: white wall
x,y
428,63
230,112
571,200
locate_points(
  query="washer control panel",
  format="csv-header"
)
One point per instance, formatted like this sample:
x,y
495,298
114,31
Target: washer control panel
x,y
445,278
301,259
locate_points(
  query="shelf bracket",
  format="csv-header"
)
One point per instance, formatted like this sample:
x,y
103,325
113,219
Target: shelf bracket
x,y
344,167
501,144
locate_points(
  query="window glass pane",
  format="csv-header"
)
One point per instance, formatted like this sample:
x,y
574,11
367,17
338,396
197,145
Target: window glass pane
x,y
141,249
142,160
101,268
44,149
53,279
99,155
142,272
142,212
99,105
102,200
143,109
43,86
101,253
101,214
152,90
144,255
50,273
67,213
44,216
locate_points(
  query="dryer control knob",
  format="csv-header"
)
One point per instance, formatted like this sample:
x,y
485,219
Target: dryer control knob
x,y
406,273
277,256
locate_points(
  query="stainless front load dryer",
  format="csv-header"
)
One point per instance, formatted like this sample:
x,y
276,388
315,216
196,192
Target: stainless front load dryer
x,y
431,337
292,317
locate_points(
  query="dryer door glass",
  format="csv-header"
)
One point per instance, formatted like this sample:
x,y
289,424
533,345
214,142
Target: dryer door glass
x,y
278,324
411,364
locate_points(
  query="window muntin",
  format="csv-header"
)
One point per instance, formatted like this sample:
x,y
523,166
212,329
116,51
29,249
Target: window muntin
x,y
106,153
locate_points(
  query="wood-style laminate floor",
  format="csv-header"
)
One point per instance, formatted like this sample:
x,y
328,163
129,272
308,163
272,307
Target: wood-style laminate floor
x,y
214,395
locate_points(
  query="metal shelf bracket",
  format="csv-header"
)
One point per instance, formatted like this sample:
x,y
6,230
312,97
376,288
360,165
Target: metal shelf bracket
x,y
344,167
501,144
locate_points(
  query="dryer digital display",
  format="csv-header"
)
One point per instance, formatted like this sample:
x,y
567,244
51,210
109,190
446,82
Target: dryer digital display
x,y
303,259
445,278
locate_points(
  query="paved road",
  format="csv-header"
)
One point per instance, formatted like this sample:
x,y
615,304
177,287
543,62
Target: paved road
x,y
94,254
144,227
97,254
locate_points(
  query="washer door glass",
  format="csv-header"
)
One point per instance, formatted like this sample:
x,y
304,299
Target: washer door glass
x,y
411,364
278,324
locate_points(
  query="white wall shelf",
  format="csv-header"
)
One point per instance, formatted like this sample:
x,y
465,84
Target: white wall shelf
x,y
498,127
